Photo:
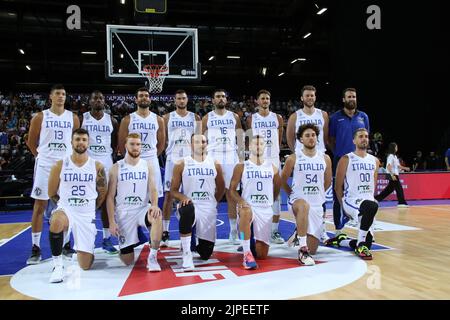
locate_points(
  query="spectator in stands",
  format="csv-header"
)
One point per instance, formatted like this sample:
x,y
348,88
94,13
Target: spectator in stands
x,y
418,162
447,159
432,162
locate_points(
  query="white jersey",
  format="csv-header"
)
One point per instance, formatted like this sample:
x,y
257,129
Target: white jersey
x,y
222,135
55,137
199,181
132,185
257,184
78,187
179,131
308,179
147,128
359,180
100,132
317,119
267,127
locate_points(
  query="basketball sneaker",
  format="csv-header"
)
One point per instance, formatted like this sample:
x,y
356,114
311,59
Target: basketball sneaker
x,y
276,238
57,275
304,257
35,256
188,262
165,239
335,241
108,246
152,263
67,251
293,240
249,261
363,252
403,205
233,239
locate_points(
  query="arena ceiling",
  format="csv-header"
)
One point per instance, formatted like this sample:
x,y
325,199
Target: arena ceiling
x,y
264,33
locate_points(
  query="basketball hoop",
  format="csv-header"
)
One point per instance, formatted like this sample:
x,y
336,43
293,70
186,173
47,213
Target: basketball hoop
x,y
156,74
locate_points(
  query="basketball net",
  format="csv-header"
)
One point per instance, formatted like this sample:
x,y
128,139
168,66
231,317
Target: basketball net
x,y
155,74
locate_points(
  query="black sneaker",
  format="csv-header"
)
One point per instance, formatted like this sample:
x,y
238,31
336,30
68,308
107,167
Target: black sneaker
x,y
35,256
68,251
165,239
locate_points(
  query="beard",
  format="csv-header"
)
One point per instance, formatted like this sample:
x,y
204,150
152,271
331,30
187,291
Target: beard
x,y
144,105
80,150
350,105
308,104
181,106
220,106
309,147
363,146
134,154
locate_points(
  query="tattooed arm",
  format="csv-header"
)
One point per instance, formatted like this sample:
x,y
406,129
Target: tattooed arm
x,y
102,187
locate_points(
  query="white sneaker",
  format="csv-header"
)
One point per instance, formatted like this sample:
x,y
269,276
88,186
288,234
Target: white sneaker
x,y
402,206
233,239
324,236
57,274
276,238
188,262
293,240
304,258
152,263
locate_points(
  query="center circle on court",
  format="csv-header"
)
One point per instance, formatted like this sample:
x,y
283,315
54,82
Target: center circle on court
x,y
109,277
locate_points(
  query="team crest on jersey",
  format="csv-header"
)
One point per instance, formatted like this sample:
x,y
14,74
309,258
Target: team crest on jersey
x,y
37,191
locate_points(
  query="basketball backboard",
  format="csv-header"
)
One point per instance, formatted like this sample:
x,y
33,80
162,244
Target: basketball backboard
x,y
130,49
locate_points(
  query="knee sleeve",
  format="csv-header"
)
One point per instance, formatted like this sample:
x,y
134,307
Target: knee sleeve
x,y
187,218
369,240
127,250
205,249
368,209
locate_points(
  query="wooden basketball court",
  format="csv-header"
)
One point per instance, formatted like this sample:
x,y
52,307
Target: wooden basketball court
x,y
417,267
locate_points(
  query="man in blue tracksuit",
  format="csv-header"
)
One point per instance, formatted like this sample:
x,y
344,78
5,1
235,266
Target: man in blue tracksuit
x,y
343,124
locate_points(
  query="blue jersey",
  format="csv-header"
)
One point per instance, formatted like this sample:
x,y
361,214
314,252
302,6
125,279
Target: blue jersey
x,y
342,128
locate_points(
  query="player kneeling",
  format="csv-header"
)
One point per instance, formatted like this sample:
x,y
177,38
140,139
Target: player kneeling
x,y
131,186
78,185
203,187
359,170
260,186
312,176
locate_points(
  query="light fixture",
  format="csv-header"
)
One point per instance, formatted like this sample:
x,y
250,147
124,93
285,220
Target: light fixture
x,y
88,52
205,72
28,67
322,11
121,56
264,71
298,59
120,70
233,57
281,74
122,1
307,35
12,14
211,58
21,51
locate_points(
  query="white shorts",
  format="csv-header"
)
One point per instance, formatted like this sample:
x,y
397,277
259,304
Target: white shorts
x,y
157,175
168,173
227,164
40,180
205,223
128,222
315,220
351,207
262,223
83,229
